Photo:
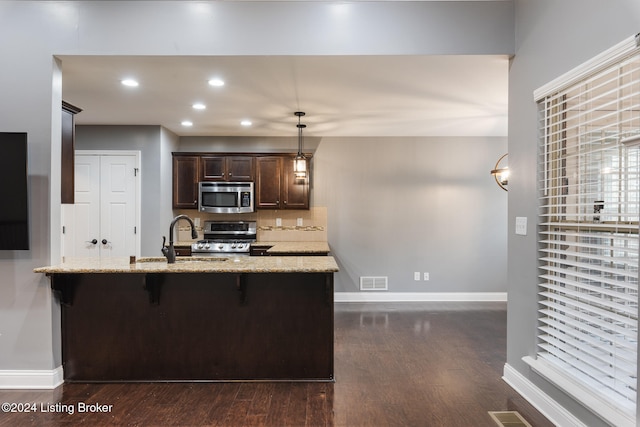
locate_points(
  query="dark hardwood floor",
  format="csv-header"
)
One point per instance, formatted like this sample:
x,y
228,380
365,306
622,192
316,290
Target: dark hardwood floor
x,y
419,364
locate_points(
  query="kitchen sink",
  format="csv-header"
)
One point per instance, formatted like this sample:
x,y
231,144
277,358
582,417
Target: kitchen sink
x,y
182,260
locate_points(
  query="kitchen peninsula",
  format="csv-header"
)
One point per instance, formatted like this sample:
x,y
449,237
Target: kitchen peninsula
x,y
201,319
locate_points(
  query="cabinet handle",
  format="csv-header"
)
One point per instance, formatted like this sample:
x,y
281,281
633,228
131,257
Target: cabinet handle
x,y
93,242
105,241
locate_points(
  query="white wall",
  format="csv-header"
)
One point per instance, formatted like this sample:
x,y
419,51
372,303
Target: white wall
x,y
34,32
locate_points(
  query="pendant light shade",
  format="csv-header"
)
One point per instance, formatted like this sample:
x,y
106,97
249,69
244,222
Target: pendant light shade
x,y
300,161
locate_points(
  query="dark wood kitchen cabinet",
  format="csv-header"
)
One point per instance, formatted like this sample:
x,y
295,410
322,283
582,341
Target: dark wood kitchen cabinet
x,y
185,181
226,168
67,165
276,185
268,182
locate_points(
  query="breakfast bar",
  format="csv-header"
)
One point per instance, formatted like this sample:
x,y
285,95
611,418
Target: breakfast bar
x,y
199,319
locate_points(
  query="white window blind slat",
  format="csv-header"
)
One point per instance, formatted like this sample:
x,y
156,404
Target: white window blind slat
x,y
588,226
598,357
630,296
580,301
553,316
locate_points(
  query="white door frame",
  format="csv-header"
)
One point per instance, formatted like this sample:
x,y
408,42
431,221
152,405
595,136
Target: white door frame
x,y
138,198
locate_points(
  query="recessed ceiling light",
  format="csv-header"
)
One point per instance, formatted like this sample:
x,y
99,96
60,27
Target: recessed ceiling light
x,y
216,82
246,123
199,106
187,123
130,82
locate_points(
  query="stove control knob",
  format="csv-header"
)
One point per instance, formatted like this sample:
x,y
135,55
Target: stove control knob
x,y
207,246
233,246
220,247
200,246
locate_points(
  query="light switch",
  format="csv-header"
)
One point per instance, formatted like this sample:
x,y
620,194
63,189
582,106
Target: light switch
x,y
521,225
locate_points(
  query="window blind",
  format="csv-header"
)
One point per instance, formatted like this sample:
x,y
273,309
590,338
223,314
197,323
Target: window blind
x,y
588,230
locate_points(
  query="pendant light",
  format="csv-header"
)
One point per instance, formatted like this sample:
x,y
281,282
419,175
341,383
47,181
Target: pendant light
x,y
300,161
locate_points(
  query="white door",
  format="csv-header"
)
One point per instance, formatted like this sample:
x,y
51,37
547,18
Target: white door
x,y
103,220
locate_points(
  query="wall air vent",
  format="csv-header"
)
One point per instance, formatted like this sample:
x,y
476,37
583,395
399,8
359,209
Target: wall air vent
x,y
372,283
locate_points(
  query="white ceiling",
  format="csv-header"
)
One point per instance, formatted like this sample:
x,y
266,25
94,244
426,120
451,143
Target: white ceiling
x,y
342,95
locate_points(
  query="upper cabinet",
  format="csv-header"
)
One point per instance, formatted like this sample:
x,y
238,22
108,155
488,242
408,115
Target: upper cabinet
x,y
276,186
226,168
67,183
185,181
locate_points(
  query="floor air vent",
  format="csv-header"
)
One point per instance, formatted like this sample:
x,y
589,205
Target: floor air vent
x,y
508,419
371,283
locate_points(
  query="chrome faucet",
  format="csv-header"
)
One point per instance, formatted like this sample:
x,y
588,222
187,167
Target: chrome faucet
x,y
170,251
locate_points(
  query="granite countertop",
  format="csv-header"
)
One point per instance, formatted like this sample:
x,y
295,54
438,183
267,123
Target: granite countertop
x,y
226,264
295,247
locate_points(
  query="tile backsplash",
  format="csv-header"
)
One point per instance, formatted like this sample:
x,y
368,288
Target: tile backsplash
x,y
273,225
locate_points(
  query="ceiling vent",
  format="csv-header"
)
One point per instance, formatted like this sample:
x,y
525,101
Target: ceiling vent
x,y
373,283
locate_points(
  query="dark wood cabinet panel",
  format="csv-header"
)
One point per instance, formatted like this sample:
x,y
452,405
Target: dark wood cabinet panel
x,y
268,182
185,182
295,191
198,327
240,168
212,168
277,186
67,165
226,168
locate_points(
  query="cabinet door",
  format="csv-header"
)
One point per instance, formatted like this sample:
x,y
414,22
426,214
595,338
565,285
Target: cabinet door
x,y
240,168
268,182
295,191
67,167
213,168
185,182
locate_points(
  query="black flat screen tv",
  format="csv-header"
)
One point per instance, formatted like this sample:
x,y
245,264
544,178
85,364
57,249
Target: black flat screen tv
x,y
14,197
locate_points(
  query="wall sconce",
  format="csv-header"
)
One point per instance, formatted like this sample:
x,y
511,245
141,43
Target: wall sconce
x,y
300,161
501,172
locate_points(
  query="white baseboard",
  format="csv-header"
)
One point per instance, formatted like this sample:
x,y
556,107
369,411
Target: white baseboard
x,y
418,296
30,379
548,407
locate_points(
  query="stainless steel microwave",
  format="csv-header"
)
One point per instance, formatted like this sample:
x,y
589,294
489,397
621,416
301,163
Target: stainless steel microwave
x,y
225,197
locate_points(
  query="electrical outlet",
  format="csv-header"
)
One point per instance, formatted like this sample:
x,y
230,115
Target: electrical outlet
x,y
299,222
278,222
426,276
416,276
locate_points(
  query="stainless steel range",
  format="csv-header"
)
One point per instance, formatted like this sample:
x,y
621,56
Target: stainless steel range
x,y
225,237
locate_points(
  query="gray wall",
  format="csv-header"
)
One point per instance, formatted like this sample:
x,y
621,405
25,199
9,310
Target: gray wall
x,y
399,205
31,87
147,140
552,37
